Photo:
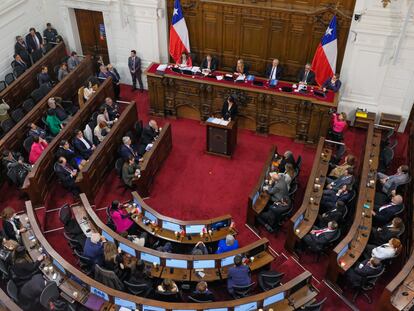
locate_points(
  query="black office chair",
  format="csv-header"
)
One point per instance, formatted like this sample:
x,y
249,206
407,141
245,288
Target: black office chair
x,y
36,95
315,306
49,293
28,104
299,163
367,284
7,125
293,188
3,85
399,235
44,89
242,291
73,243
4,270
192,299
269,279
17,114
386,157
9,78
18,71
108,278
142,290
168,296
86,265
138,129
12,290
65,214
27,144
118,167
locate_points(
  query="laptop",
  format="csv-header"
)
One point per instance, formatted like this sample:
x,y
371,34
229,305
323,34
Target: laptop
x,y
176,70
187,72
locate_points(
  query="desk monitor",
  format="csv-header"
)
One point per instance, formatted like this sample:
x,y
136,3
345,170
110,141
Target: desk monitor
x,y
150,258
273,299
59,266
176,263
220,224
171,226
150,217
228,261
255,197
298,221
194,229
256,250
107,236
150,308
99,293
204,264
342,252
298,286
127,249
137,204
247,307
125,303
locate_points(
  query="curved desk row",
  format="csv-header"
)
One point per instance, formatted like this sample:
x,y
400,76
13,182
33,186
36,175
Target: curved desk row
x,y
349,250
76,286
303,220
20,89
258,199
178,267
67,88
37,183
7,304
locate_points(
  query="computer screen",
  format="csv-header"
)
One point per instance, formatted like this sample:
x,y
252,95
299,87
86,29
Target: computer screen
x,y
150,308
194,229
151,217
343,251
171,226
298,221
204,264
227,261
256,196
150,258
59,266
176,263
298,286
125,303
137,204
273,299
99,293
127,249
247,307
107,236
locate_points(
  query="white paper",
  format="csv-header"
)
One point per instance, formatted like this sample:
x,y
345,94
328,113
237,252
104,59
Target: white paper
x,y
219,78
241,78
162,67
224,122
195,69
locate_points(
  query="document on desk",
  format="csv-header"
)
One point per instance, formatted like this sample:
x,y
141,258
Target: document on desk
x,y
195,69
162,67
224,122
219,78
241,78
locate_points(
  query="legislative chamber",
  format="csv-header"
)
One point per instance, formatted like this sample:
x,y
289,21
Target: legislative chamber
x,y
216,155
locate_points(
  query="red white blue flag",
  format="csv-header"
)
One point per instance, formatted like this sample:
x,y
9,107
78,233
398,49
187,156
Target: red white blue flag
x,y
179,39
324,61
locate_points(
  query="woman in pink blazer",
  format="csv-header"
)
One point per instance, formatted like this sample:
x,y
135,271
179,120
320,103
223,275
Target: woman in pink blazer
x,y
39,144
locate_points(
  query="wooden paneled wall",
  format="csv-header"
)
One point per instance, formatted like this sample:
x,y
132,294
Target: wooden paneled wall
x,y
260,30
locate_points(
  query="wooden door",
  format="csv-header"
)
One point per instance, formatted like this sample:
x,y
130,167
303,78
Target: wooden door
x,y
92,33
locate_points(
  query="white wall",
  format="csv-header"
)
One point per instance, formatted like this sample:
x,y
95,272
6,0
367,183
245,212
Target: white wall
x,y
378,68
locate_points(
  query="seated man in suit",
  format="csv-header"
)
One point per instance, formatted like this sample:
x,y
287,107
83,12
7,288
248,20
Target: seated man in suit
x,y
333,83
238,275
277,188
94,248
366,268
20,65
274,70
83,146
306,75
149,134
317,239
271,217
334,214
390,183
126,151
384,213
209,64
112,109
202,293
43,76
383,234
67,175
346,179
330,197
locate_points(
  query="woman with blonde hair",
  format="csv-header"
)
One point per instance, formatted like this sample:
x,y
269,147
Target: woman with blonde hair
x,y
240,68
113,259
339,170
168,286
289,174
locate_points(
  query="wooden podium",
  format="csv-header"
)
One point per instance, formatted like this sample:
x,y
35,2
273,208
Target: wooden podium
x,y
221,137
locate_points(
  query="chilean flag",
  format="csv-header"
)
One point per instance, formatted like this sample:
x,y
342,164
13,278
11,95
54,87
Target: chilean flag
x,y
324,61
179,39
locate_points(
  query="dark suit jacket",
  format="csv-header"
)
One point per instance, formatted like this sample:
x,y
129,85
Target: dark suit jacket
x,y
310,79
115,75
137,64
31,43
318,242
126,152
386,214
213,65
334,87
245,71
355,275
64,176
20,66
268,71
81,148
290,159
382,235
148,135
343,180
226,113
335,214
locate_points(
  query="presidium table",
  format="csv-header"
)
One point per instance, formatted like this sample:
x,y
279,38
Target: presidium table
x,y
279,110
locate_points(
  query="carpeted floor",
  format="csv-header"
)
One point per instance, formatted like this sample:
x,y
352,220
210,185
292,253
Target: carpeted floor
x,y
194,185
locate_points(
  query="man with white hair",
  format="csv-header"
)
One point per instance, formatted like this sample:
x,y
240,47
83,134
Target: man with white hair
x,y
228,244
94,248
126,150
149,134
277,187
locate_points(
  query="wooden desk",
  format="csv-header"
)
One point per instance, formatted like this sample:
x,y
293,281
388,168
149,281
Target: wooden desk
x,y
20,89
263,109
257,199
67,89
221,139
169,235
364,122
304,219
37,183
153,161
7,304
349,250
94,173
391,120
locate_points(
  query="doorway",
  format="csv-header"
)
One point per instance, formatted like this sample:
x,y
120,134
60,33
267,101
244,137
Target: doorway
x,y
92,33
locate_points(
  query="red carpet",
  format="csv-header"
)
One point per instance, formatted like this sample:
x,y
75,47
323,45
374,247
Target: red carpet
x,y
194,185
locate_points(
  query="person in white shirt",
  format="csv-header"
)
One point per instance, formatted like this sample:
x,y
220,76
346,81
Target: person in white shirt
x,y
88,91
385,251
101,130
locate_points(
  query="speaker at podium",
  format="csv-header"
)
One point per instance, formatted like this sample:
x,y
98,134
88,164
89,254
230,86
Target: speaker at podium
x,y
221,137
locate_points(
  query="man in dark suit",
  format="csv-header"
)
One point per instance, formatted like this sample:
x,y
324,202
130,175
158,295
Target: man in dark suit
x,y
229,111
103,73
366,268
271,217
274,70
277,188
50,33
330,197
286,158
335,214
384,213
209,64
34,40
83,146
346,179
134,65
238,275
20,48
66,175
126,150
115,80
149,133
43,76
333,83
306,75
385,233
20,65
111,108
318,238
